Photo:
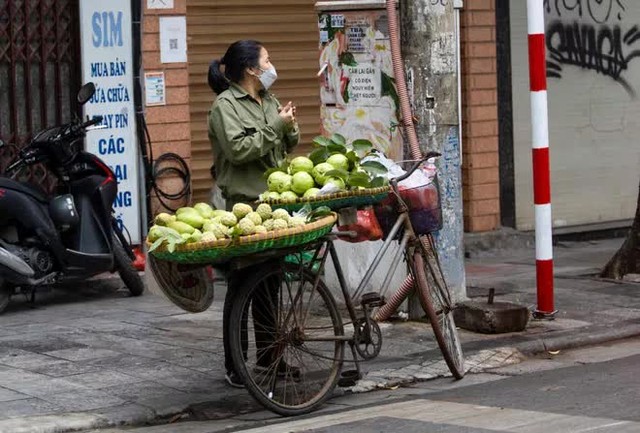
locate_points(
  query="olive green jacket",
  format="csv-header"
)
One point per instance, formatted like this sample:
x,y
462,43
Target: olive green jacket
x,y
247,139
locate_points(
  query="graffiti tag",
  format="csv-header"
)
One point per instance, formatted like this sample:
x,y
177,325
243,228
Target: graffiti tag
x,y
591,43
599,11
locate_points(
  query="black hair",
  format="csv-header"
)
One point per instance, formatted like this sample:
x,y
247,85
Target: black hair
x,y
239,56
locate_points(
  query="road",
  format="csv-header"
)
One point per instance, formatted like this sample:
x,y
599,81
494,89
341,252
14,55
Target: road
x,y
593,390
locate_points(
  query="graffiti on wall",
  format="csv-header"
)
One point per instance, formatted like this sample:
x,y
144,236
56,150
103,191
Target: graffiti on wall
x,y
592,35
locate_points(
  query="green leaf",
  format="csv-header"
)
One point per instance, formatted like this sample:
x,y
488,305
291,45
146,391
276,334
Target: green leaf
x,y
345,92
339,139
171,247
389,89
321,141
352,157
379,181
157,243
337,148
318,213
359,179
319,155
338,172
374,167
362,146
348,59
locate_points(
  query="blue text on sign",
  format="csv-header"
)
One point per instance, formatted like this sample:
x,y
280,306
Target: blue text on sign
x,y
123,199
111,146
107,29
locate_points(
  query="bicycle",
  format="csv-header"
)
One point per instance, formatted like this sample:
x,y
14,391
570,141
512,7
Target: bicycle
x,y
290,354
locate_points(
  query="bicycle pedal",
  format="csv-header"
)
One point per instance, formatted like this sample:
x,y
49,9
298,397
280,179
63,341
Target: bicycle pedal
x,y
372,299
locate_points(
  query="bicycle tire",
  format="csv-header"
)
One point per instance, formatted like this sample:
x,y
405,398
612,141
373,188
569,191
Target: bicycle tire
x,y
279,391
444,328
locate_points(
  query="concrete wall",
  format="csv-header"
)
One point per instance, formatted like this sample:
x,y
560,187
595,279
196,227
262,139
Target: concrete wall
x,y
429,44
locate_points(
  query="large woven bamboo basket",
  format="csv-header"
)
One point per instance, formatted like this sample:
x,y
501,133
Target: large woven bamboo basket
x,y
338,200
222,251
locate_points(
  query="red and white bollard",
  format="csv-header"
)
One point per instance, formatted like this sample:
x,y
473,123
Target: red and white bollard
x,y
541,167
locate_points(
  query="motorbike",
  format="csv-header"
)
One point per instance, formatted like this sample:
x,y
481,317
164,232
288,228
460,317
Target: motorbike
x,y
71,234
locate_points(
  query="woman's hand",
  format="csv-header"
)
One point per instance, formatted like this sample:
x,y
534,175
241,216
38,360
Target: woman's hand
x,y
288,113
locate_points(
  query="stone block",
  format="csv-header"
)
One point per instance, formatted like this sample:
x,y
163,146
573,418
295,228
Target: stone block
x,y
494,318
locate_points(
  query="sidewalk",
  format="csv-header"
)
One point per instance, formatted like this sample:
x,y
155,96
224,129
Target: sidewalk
x,y
100,358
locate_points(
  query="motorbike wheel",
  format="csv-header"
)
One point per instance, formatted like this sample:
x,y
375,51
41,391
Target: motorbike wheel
x,y
5,295
124,266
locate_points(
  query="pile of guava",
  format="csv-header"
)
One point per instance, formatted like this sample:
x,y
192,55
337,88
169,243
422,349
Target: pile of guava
x,y
334,162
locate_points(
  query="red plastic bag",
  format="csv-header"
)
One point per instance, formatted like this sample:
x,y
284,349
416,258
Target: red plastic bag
x,y
367,227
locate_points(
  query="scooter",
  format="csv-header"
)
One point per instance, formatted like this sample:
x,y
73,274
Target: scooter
x,y
72,235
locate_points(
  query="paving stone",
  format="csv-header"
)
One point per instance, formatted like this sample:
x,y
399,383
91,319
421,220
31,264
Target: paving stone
x,y
9,395
44,387
11,376
102,379
29,407
141,391
82,400
39,344
194,382
82,354
29,361
65,368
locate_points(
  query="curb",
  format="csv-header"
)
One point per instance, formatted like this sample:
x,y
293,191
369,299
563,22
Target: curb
x,y
590,336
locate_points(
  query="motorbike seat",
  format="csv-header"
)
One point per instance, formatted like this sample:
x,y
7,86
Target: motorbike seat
x,y
32,191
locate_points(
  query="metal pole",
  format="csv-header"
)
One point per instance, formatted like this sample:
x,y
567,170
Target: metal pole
x,y
541,168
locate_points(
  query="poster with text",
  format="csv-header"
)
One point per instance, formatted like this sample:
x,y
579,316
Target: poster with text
x,y
106,44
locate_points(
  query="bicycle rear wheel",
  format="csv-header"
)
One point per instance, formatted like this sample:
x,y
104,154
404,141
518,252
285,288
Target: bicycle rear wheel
x,y
285,337
435,299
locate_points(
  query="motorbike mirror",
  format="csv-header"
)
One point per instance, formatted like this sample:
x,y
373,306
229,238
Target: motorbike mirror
x,y
86,92
1,144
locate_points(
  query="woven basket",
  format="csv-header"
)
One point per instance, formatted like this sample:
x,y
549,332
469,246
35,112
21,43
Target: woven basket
x,y
222,251
338,200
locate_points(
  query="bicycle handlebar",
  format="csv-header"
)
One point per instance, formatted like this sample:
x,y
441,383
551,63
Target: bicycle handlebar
x,y
429,155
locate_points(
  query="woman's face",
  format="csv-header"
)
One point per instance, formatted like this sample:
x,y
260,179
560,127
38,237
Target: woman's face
x,y
264,62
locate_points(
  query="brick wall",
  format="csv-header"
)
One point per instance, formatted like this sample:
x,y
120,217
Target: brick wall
x,y
481,192
168,125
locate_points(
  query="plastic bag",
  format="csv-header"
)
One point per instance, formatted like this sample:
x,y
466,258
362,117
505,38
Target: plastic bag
x,y
367,227
217,200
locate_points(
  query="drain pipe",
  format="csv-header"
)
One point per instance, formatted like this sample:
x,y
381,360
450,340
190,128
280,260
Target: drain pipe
x,y
401,83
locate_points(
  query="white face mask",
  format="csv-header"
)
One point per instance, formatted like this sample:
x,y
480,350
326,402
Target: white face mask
x,y
268,77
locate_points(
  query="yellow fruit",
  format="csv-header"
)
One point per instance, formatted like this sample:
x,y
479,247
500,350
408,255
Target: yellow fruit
x,y
181,227
193,219
163,218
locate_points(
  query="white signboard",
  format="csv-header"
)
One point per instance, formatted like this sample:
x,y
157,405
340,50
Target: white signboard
x,y
107,61
364,84
173,39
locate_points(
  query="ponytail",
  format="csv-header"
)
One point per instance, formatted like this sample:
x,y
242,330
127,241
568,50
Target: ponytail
x,y
217,81
239,56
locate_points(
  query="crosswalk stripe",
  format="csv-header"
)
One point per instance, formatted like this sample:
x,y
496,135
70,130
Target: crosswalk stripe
x,y
463,415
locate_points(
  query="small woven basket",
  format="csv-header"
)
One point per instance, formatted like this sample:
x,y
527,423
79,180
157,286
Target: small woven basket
x,y
338,200
222,251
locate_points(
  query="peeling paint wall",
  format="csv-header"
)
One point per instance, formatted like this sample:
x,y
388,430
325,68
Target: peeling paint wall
x,y
429,50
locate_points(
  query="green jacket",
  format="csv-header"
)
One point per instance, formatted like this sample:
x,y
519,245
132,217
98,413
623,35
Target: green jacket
x,y
247,139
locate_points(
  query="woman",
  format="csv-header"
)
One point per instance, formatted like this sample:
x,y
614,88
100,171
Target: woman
x,y
250,132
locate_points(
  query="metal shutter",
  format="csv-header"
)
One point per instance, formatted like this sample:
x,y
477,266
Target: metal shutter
x,y
287,28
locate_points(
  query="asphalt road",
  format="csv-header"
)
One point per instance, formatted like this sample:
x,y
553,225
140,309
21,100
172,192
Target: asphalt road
x,y
593,390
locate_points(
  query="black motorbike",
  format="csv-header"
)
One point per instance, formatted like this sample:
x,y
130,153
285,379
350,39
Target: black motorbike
x,y
72,234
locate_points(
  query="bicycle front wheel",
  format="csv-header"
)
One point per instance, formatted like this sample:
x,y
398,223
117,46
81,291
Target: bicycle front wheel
x,y
286,338
435,299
